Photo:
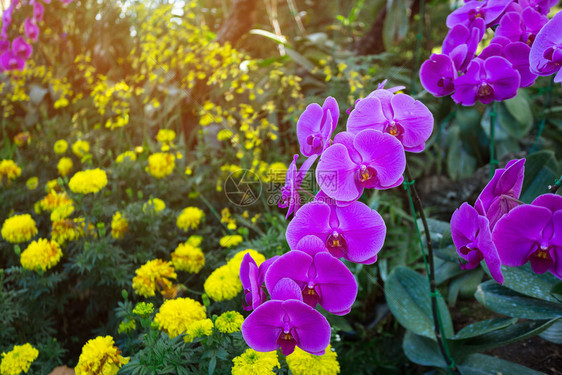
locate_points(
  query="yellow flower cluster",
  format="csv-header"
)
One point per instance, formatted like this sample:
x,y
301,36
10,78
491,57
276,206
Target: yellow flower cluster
x,y
161,164
303,363
100,356
229,322
155,204
166,138
10,170
65,230
88,181
190,218
64,166
231,240
127,155
118,94
80,148
177,316
255,363
227,219
18,360
119,225
54,200
41,254
22,138
32,183
224,282
154,275
188,256
19,228
61,146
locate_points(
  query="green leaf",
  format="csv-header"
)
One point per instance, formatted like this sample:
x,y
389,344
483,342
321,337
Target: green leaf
x,y
407,296
396,22
280,39
465,285
479,328
516,116
480,364
556,291
422,350
300,59
541,169
553,333
460,164
508,302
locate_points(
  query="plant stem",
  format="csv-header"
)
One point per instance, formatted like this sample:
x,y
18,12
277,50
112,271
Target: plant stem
x,y
417,206
545,110
493,161
554,188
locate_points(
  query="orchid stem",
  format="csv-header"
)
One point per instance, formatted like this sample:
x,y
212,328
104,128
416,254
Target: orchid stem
x,y
554,188
493,161
416,205
545,110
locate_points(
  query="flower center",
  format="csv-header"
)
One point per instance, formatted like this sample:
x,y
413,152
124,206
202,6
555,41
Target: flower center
x,y
475,13
485,91
309,294
367,176
315,142
336,245
287,342
394,128
540,259
446,83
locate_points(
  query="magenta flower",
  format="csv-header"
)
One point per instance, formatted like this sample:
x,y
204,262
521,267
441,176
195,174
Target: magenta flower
x,y
4,46
541,6
501,194
399,115
316,125
471,11
473,240
322,278
285,322
31,29
38,10
370,159
354,232
21,48
517,53
252,278
521,27
493,79
461,43
290,196
437,75
546,52
532,233
11,61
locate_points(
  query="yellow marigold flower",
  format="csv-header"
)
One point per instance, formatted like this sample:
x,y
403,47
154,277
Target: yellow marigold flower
x,y
61,146
22,138
161,164
52,185
80,148
190,218
155,204
230,240
224,135
9,169
236,260
62,212
223,284
18,359
54,200
165,135
19,228
198,328
255,363
195,240
139,149
188,258
41,254
303,363
176,315
153,275
69,230
127,155
229,322
88,181
32,183
276,172
100,356
119,225
188,171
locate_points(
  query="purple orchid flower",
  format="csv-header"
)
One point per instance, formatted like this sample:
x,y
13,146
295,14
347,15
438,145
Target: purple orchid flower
x,y
290,196
473,240
316,125
354,232
4,46
533,233
546,52
322,278
21,48
488,10
38,10
7,16
370,159
501,194
11,61
252,278
437,75
541,6
493,79
285,322
399,115
521,27
31,29
517,53
461,43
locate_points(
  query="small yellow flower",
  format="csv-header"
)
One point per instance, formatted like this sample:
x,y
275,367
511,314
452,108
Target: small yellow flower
x,y
189,258
223,284
276,173
126,156
100,356
22,138
161,164
231,240
255,363
88,181
32,183
41,254
154,275
190,218
61,146
199,328
165,135
303,363
62,212
119,225
19,228
177,315
80,148
64,166
64,230
54,200
18,359
188,171
229,322
9,169
155,204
